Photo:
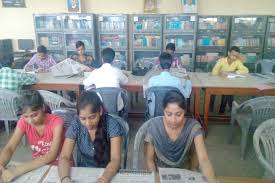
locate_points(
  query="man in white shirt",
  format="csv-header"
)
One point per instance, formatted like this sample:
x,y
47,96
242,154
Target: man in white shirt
x,y
106,75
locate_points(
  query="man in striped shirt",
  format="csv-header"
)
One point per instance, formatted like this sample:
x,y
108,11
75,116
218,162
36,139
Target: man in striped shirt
x,y
41,61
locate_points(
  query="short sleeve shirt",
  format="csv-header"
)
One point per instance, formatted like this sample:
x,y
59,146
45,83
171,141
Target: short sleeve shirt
x,y
40,144
85,146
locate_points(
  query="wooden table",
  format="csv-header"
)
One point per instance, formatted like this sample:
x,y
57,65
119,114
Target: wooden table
x,y
48,82
242,180
215,85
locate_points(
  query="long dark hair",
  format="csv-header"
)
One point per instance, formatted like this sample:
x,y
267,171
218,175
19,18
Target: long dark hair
x,y
102,142
32,99
174,96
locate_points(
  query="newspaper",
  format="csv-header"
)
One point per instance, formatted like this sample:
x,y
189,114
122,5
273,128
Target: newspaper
x,y
67,67
34,176
78,175
134,176
175,175
90,175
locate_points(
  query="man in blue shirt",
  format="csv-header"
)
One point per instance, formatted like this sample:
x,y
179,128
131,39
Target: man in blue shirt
x,y
166,79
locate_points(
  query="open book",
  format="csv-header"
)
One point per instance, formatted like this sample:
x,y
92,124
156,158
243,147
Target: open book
x,y
67,67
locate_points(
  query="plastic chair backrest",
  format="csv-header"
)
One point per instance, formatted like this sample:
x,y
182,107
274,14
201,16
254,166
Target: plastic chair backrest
x,y
138,143
67,114
262,108
210,65
266,65
159,93
264,146
109,96
125,127
9,101
55,101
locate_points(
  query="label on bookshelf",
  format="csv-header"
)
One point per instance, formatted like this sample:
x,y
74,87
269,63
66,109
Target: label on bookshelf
x,y
193,18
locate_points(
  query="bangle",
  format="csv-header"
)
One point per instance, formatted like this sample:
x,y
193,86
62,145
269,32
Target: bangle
x,y
63,178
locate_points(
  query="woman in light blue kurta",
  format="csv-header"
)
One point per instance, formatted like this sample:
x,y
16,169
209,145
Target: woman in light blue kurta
x,y
97,136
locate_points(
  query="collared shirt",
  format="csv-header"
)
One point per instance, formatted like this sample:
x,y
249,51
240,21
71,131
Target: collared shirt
x,y
105,76
13,80
166,79
223,66
37,63
85,145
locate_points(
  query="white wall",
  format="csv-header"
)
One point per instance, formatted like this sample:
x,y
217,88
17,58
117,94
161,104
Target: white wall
x,y
17,23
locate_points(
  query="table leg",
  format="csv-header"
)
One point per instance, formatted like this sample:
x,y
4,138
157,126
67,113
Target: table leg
x,y
78,90
197,102
206,107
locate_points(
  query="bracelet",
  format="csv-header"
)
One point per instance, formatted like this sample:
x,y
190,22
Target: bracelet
x,y
63,178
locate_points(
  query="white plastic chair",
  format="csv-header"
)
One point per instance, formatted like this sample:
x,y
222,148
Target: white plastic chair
x,y
266,66
55,101
264,146
125,127
139,145
8,107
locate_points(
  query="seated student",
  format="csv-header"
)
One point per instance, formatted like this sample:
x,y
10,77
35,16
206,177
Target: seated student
x,y
176,62
166,79
43,131
232,63
106,75
41,61
97,137
12,80
82,57
170,137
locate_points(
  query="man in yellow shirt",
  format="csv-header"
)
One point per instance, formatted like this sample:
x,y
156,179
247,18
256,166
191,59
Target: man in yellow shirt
x,y
232,63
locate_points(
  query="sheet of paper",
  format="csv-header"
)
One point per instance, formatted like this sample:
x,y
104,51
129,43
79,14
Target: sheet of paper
x,y
78,175
232,75
175,175
33,176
